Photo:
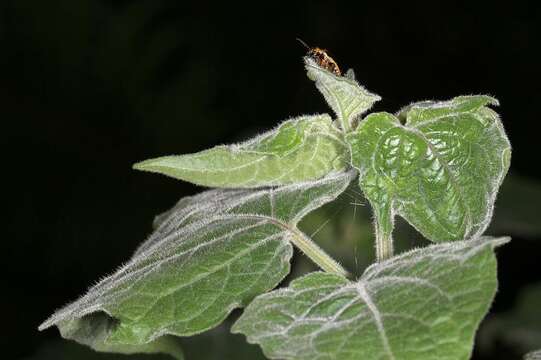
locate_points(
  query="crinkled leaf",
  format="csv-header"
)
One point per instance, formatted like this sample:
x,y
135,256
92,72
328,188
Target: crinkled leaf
x,y
432,110
212,253
424,304
302,149
440,171
344,95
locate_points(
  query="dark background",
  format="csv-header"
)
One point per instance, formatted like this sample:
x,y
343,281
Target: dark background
x,y
88,87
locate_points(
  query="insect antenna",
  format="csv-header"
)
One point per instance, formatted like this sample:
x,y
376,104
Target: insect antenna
x,y
303,44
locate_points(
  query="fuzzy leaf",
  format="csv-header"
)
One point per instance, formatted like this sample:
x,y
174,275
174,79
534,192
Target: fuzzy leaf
x,y
424,304
344,95
211,253
440,171
302,149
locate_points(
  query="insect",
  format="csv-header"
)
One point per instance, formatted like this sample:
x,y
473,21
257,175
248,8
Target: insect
x,y
321,57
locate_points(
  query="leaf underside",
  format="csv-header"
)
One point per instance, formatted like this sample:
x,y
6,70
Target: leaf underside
x,y
440,171
424,304
211,253
301,149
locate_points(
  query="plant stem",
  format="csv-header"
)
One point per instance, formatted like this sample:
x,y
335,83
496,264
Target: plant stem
x,y
308,247
316,254
384,232
344,125
384,245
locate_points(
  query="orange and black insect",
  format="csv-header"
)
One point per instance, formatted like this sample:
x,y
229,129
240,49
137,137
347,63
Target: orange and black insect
x,y
321,57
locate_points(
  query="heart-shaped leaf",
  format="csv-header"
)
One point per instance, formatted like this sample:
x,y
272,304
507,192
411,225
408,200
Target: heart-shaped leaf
x,y
302,149
422,305
212,253
440,170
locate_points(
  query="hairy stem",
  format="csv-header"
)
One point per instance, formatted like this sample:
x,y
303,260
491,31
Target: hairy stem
x,y
316,254
384,232
384,246
308,247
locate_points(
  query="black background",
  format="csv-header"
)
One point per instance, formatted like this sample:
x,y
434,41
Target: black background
x,y
87,88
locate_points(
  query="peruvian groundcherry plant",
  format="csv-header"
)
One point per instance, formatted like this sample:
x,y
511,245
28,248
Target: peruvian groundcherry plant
x,y
436,164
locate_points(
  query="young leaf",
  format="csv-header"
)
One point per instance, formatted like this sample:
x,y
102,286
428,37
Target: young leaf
x,y
344,95
301,149
212,253
440,171
424,304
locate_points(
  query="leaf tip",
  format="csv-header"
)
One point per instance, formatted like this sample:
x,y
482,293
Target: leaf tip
x,y
46,324
497,242
160,165
142,165
494,101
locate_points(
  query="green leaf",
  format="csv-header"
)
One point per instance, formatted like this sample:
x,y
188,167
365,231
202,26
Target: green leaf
x,y
344,95
96,328
431,110
440,171
301,149
212,253
424,304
